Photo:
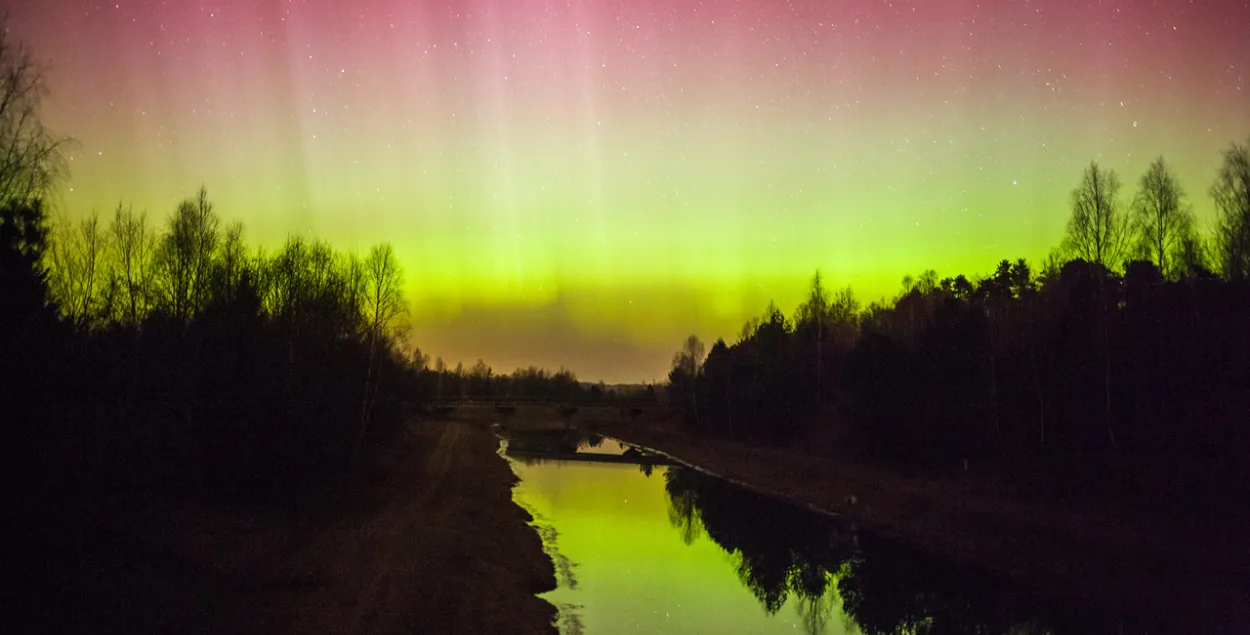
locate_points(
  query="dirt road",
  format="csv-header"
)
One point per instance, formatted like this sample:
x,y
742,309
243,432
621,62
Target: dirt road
x,y
432,543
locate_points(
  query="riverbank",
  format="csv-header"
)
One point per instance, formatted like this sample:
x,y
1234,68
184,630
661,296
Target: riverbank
x,y
431,542
1187,578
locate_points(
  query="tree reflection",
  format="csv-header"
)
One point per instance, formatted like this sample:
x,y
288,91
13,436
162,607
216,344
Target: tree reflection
x,y
683,511
780,552
784,552
816,598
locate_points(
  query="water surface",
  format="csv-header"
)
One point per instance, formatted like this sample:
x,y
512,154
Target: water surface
x,y
643,548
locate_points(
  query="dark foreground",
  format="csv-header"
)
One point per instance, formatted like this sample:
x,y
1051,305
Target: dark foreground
x,y
1180,579
431,543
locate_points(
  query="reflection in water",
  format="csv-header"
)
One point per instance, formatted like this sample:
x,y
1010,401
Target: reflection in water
x,y
683,511
682,552
787,553
782,550
558,443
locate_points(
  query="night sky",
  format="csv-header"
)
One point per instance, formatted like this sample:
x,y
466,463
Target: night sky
x,y
586,182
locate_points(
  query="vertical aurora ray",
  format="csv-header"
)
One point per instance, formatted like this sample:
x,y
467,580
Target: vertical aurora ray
x,y
584,183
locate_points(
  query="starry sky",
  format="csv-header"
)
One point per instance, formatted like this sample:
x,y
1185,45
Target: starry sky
x,y
586,182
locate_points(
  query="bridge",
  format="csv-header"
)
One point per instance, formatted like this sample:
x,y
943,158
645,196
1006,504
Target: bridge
x,y
506,406
574,445
456,400
639,458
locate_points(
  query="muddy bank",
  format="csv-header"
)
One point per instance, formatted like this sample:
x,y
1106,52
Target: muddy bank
x,y
1129,563
432,542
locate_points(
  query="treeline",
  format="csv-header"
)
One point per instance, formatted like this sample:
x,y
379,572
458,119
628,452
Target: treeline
x,y
177,354
532,383
480,380
1122,366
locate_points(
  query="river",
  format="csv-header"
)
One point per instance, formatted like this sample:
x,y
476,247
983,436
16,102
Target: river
x,y
647,548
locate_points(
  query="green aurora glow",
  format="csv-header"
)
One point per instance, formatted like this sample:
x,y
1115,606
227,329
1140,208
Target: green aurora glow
x,y
584,185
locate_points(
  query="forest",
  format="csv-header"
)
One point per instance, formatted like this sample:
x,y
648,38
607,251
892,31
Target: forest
x,y
1117,369
178,354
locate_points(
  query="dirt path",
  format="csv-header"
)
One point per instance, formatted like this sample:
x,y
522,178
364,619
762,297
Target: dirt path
x,y
432,544
1085,552
449,552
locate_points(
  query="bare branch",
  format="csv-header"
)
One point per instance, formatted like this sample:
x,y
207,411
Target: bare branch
x,y
1161,219
1231,192
31,159
1098,230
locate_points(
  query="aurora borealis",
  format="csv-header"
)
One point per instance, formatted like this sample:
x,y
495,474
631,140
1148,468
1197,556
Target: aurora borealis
x,y
584,183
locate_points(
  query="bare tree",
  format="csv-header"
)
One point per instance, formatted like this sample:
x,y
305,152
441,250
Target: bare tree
x,y
1193,256
132,244
77,276
184,257
383,306
692,354
356,288
844,317
1098,230
1161,219
685,371
384,294
1231,192
31,161
230,262
420,360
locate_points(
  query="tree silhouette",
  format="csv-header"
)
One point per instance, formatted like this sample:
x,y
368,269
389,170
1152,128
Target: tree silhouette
x,y
184,258
1098,230
25,310
684,375
132,244
78,269
813,316
30,157
384,293
1193,257
1161,219
1231,192
683,504
420,360
230,263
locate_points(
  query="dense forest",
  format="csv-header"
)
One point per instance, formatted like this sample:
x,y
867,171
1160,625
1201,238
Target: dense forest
x,y
1120,368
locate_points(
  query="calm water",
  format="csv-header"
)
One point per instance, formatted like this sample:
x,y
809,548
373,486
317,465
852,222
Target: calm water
x,y
660,549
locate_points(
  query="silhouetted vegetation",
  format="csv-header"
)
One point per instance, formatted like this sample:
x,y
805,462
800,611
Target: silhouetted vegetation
x,y
1096,375
183,357
480,381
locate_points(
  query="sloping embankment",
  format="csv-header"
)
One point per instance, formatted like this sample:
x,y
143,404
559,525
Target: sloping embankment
x,y
1130,563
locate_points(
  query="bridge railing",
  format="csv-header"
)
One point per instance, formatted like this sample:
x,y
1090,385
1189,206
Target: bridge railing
x,y
458,400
